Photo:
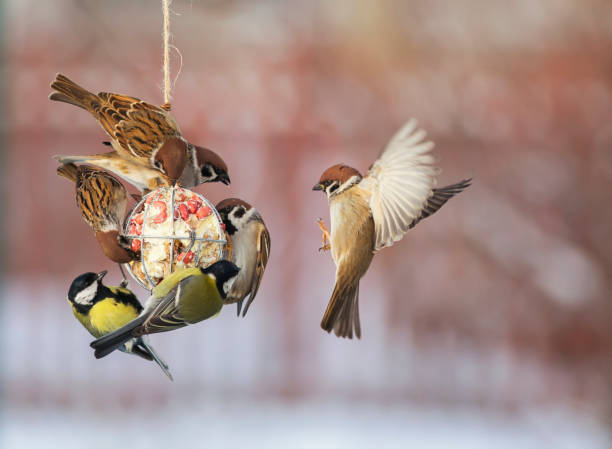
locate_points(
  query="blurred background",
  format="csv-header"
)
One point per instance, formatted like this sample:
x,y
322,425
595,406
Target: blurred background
x,y
488,326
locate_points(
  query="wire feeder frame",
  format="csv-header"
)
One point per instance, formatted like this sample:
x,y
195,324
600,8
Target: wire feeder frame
x,y
158,195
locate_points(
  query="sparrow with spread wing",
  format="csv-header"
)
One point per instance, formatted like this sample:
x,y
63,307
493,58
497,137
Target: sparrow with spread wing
x,y
372,212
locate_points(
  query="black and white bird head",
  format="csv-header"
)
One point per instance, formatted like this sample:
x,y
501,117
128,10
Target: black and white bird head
x,y
207,166
235,214
337,179
224,272
84,290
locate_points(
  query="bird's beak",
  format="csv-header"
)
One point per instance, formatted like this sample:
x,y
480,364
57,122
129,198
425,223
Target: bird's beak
x,y
101,275
225,179
318,187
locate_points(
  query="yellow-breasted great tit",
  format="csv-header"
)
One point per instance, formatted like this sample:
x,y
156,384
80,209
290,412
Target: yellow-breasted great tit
x,y
187,296
103,309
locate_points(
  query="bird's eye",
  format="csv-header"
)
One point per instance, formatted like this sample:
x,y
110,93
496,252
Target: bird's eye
x,y
333,187
207,172
239,212
159,166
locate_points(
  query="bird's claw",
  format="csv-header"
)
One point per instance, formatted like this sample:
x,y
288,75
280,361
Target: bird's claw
x,y
326,236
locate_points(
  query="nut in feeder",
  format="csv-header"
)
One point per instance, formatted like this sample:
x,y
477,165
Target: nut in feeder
x,y
173,228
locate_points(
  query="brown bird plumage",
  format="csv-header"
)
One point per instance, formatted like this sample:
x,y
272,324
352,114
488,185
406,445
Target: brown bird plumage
x,y
203,165
139,131
352,247
372,212
142,177
250,248
102,201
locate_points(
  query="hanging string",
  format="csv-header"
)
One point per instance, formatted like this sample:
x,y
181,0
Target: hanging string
x,y
166,39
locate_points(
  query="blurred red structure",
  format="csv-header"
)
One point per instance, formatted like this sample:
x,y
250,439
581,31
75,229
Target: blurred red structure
x,y
500,298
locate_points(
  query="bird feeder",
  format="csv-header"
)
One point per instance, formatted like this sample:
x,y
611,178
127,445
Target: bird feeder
x,y
172,228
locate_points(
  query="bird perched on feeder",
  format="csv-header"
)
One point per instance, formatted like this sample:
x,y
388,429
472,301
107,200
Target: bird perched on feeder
x,y
372,212
102,200
102,309
140,132
187,296
143,178
203,165
250,248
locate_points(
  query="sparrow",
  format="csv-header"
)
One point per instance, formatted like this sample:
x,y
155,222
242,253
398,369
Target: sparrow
x,y
250,241
203,165
102,200
102,309
372,212
187,296
143,178
139,131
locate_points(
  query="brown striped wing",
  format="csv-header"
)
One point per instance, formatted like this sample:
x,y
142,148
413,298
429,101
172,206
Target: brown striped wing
x,y
139,127
263,254
101,198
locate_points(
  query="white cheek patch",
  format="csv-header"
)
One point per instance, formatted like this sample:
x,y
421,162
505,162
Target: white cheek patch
x,y
86,296
348,183
227,285
238,223
329,187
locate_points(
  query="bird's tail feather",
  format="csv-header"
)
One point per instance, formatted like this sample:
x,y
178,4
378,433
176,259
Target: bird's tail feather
x,y
65,159
136,349
68,171
143,345
68,91
342,314
108,343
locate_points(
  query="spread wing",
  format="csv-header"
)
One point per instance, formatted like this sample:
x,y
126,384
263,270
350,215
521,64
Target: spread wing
x,y
399,183
138,127
439,197
263,254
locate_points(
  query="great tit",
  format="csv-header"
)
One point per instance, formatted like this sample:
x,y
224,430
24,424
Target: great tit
x,y
102,309
187,296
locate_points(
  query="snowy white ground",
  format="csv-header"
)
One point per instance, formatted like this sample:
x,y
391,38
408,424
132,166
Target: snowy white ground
x,y
55,394
305,425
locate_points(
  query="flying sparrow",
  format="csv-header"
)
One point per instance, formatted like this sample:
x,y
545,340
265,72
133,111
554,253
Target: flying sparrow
x,y
250,248
371,212
102,200
139,131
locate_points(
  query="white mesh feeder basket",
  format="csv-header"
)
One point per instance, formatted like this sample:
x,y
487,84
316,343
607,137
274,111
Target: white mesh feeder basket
x,y
173,227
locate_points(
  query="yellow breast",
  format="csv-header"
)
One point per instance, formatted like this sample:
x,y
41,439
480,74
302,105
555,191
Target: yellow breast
x,y
106,316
